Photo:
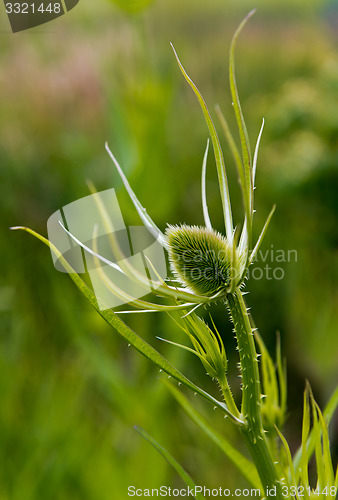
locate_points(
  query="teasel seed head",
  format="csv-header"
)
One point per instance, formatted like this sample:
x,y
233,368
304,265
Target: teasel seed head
x,y
200,258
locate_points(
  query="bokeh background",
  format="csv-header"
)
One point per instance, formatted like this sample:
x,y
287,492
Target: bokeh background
x,y
70,390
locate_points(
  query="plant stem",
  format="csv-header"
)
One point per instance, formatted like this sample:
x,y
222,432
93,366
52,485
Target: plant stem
x,y
228,397
253,432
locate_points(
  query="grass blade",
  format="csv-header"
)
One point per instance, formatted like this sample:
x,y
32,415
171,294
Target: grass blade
x,y
331,406
288,457
245,466
326,458
318,444
304,461
171,461
328,414
281,370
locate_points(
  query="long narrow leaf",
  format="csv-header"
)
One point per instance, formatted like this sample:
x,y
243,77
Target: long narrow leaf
x,y
254,166
173,462
245,466
331,406
328,414
261,236
239,115
238,162
326,458
292,478
318,444
304,462
206,216
147,220
222,177
281,370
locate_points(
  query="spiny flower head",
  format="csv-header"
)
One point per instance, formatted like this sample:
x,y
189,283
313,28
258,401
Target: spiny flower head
x,y
200,258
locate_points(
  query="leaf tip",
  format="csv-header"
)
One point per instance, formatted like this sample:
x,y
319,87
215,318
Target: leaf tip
x,y
251,13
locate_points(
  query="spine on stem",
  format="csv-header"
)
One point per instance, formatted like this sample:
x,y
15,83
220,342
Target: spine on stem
x,y
253,431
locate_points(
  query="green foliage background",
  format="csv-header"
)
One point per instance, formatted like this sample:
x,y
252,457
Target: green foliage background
x,y
71,391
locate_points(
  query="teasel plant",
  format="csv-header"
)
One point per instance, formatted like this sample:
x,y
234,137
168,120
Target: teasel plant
x,y
209,267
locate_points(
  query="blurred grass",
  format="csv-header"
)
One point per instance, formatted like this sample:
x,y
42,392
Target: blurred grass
x,y
70,390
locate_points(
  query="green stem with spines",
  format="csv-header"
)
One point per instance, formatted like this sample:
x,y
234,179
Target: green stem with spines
x,y
228,397
253,431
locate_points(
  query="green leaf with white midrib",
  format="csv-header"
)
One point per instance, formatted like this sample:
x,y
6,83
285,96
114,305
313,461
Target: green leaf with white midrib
x,y
206,216
237,159
147,220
